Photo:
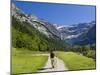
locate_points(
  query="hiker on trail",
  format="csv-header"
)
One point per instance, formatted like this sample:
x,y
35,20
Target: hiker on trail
x,y
52,55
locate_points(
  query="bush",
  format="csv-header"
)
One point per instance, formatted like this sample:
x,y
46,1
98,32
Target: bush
x,y
91,54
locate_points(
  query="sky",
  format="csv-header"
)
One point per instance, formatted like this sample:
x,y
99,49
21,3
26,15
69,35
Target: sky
x,y
61,14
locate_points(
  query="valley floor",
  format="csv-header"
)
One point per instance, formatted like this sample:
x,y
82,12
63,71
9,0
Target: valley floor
x,y
76,61
34,62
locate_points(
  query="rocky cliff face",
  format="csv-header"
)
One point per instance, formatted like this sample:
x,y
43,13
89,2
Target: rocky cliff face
x,y
44,27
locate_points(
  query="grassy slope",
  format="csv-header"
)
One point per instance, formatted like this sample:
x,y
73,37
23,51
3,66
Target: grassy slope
x,y
76,62
25,63
26,36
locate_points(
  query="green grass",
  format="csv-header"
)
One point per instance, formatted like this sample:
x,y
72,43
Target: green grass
x,y
22,51
25,62
74,61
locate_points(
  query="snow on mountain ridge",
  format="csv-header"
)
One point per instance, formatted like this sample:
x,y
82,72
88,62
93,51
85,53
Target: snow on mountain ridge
x,y
73,31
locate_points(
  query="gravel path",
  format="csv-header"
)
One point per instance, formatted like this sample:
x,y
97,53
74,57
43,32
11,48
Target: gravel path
x,y
59,65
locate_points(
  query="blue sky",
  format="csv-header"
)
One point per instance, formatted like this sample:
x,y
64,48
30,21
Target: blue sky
x,y
62,14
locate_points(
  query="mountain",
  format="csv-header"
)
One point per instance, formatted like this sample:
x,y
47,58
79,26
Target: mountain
x,y
59,35
28,31
73,31
43,26
88,37
78,33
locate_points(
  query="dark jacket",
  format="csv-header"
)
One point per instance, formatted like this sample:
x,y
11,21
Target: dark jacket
x,y
52,55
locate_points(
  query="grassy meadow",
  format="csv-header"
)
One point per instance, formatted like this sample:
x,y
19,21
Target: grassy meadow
x,y
26,61
74,61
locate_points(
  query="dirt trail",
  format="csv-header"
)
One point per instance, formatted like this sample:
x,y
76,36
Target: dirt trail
x,y
59,66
